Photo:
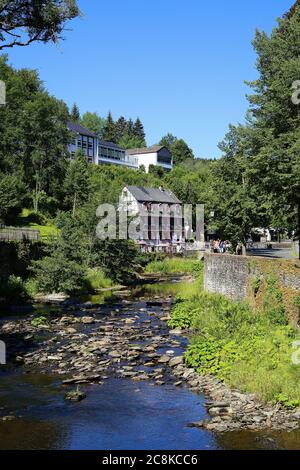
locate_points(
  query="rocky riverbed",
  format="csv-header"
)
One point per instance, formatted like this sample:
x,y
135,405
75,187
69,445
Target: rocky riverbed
x,y
89,343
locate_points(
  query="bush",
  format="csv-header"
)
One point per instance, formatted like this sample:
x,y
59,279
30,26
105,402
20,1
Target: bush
x,y
248,349
175,266
57,274
95,279
38,321
12,289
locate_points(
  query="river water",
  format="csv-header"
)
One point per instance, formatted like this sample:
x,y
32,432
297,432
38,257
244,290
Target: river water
x,y
118,414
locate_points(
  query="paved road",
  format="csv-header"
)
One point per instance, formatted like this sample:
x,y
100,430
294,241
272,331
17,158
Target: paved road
x,y
274,253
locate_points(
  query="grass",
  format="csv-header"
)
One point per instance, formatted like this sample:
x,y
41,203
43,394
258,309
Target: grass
x,y
247,349
175,266
95,279
35,221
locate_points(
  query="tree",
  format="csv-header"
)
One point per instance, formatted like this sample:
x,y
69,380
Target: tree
x,y
273,163
179,149
12,195
129,129
33,133
157,171
45,138
56,273
76,184
131,142
181,152
75,113
119,259
109,130
23,22
121,128
94,123
138,132
168,140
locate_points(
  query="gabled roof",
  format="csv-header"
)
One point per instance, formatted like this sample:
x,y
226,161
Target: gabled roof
x,y
79,129
152,149
142,194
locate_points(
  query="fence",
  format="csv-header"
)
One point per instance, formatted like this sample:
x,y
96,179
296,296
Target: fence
x,y
19,234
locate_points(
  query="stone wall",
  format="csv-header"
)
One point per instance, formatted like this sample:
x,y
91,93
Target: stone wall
x,y
236,276
227,275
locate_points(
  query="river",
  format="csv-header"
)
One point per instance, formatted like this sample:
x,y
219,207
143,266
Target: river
x,y
119,413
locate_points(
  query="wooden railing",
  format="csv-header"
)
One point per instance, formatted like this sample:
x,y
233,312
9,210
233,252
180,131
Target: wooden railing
x,y
18,234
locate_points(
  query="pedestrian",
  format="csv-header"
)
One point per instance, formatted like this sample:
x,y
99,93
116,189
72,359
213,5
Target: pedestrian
x,y
239,249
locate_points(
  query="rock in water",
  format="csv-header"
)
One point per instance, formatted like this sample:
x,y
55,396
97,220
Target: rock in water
x,y
75,395
175,361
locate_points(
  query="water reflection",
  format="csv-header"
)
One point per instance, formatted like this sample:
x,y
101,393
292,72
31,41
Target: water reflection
x,y
117,415
32,435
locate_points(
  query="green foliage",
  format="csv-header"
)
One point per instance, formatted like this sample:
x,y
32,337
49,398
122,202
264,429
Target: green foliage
x,y
128,141
176,266
273,301
30,287
16,257
240,346
255,284
12,290
75,113
12,196
94,123
39,321
259,175
24,22
124,133
77,182
37,221
119,259
139,133
56,273
95,279
297,301
179,149
109,130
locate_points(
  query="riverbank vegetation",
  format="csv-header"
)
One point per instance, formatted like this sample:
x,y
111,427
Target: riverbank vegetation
x,y
249,349
176,265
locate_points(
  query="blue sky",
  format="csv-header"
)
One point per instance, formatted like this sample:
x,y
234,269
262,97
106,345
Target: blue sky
x,y
177,64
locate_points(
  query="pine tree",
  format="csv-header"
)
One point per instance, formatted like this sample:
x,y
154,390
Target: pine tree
x,y
109,131
129,131
75,113
138,131
121,128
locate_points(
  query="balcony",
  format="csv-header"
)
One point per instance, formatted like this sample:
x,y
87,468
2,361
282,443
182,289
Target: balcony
x,y
125,160
167,166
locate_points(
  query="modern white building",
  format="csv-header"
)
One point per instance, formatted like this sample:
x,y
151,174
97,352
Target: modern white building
x,y
157,155
101,152
83,139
